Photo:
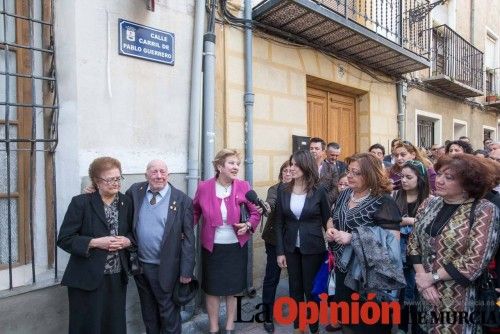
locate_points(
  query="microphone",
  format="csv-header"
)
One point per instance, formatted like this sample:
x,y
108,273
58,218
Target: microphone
x,y
252,197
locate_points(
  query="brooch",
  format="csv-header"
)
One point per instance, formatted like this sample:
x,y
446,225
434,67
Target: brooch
x,y
173,206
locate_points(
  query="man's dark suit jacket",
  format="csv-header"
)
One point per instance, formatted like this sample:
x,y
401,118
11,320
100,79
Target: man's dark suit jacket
x,y
85,220
177,255
328,178
312,222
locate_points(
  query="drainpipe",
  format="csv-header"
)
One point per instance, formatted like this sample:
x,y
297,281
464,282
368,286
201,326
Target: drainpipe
x,y
472,20
209,95
249,101
194,121
401,96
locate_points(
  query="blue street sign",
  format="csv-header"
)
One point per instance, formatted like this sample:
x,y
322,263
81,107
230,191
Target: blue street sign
x,y
136,40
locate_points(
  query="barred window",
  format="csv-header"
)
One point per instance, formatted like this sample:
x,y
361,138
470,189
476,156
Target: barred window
x,y
28,138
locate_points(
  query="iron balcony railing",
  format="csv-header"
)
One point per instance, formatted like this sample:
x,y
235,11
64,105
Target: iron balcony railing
x,y
391,36
456,58
404,22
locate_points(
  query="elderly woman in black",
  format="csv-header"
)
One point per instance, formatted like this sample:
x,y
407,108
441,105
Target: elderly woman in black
x,y
301,213
367,202
96,231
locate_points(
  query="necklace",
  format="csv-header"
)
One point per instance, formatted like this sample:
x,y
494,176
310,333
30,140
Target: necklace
x,y
361,199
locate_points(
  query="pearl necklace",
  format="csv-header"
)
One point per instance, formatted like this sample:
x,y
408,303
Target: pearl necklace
x,y
361,199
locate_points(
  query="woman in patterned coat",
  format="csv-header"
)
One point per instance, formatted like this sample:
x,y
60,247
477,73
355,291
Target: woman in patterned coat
x,y
449,254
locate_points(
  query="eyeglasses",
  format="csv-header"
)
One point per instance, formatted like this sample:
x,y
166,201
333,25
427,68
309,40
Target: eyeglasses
x,y
112,180
418,165
353,172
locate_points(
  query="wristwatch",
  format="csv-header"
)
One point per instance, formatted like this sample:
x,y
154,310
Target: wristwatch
x,y
435,276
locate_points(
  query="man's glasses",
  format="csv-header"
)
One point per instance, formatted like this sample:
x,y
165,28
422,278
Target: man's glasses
x,y
418,165
353,172
112,180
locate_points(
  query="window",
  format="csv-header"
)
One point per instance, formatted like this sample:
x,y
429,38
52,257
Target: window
x,y
28,134
459,129
427,128
489,132
492,63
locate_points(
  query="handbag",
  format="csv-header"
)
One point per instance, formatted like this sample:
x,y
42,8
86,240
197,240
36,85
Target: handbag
x,y
486,296
324,281
134,266
486,300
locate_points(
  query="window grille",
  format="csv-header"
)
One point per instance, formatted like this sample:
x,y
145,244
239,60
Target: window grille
x,y
28,138
425,132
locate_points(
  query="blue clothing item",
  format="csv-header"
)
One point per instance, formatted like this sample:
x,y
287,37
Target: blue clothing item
x,y
150,229
373,259
403,241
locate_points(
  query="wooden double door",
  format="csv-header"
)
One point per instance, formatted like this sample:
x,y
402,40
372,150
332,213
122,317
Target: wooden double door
x,y
332,117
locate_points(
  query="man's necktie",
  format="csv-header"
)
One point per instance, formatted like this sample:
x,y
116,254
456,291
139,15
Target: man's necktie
x,y
153,199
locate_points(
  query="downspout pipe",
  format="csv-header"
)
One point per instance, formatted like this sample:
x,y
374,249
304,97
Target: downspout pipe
x,y
193,162
248,100
472,20
401,89
209,95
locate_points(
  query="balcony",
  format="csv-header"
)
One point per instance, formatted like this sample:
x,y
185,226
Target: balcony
x,y
390,36
457,66
492,99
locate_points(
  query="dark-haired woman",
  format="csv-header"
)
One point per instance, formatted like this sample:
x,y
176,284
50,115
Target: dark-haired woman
x,y
366,203
414,190
273,271
457,147
454,238
301,214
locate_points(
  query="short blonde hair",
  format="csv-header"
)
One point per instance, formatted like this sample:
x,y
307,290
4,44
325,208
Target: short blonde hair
x,y
221,157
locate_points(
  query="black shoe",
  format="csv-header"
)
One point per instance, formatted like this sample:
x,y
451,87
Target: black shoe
x,y
331,328
269,327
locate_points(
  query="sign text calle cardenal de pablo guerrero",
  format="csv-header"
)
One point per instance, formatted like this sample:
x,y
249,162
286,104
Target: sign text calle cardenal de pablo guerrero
x,y
137,40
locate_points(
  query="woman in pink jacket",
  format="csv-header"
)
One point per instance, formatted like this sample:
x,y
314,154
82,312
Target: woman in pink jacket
x,y
223,236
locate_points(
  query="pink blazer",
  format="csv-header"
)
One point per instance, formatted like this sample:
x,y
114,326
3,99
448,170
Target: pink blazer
x,y
207,204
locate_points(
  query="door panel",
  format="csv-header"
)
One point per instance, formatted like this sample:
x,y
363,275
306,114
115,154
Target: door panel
x,y
332,117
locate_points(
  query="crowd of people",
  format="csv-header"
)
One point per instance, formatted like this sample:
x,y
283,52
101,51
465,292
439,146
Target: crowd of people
x,y
416,226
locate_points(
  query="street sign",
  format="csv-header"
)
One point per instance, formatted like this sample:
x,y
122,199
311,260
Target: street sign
x,y
139,41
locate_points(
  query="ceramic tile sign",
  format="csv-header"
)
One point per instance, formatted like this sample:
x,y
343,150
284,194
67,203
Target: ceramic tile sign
x,y
139,41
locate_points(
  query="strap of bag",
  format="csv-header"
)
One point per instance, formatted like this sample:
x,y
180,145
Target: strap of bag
x,y
472,215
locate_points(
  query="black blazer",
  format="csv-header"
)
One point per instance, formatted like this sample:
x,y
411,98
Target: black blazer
x,y
85,220
177,254
311,223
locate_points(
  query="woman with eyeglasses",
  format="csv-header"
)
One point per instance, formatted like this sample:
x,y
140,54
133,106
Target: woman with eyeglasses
x,y
414,190
96,231
454,238
273,271
302,211
404,151
366,203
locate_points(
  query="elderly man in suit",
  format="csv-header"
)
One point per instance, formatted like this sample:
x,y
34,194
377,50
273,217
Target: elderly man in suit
x,y
163,228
